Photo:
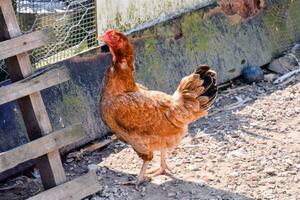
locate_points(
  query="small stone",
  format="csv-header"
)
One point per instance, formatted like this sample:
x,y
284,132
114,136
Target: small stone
x,y
234,135
254,177
93,167
270,171
193,168
171,194
69,160
143,191
270,77
289,161
95,198
201,184
272,181
239,153
292,172
208,177
283,64
233,174
130,178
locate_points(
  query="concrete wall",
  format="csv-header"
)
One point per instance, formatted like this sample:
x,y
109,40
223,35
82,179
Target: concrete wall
x,y
165,52
127,14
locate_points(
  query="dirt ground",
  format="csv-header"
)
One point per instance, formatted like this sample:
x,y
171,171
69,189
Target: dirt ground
x,y
247,148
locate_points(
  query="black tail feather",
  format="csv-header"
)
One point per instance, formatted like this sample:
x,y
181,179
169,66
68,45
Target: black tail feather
x,y
209,83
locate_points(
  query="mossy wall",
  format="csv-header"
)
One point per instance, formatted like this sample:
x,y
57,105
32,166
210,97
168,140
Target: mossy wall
x,y
176,46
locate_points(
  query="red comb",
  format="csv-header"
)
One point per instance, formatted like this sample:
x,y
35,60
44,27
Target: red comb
x,y
108,31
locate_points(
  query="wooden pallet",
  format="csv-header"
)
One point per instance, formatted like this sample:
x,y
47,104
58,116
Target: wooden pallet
x,y
44,144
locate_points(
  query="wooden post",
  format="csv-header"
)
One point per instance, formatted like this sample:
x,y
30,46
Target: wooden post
x,y
32,106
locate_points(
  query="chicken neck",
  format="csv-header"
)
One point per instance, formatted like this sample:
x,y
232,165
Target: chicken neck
x,y
120,76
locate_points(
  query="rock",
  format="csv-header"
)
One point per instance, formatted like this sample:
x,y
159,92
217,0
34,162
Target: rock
x,y
69,160
193,168
233,174
171,194
289,161
239,153
254,177
143,191
270,77
283,64
208,177
93,167
95,198
201,184
252,74
270,171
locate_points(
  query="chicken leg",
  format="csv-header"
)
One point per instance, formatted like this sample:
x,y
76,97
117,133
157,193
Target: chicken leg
x,y
141,177
163,166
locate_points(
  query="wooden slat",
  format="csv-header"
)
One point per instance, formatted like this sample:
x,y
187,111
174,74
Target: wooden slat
x,y
25,166
32,107
32,84
72,190
25,43
41,146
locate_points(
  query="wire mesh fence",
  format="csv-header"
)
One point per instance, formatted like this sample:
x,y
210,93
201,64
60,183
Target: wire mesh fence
x,y
73,22
282,24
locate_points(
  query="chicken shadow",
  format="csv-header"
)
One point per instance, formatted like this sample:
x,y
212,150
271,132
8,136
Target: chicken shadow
x,y
228,122
161,187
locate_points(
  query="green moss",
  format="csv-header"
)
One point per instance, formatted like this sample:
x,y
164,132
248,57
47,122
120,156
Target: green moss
x,y
191,28
153,69
20,122
71,105
294,15
73,101
294,10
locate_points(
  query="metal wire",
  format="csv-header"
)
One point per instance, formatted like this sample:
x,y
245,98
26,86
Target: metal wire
x,y
73,22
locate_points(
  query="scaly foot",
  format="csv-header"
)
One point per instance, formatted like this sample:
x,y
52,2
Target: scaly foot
x,y
159,171
137,182
140,179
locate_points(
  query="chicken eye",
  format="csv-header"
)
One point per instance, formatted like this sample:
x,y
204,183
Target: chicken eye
x,y
115,37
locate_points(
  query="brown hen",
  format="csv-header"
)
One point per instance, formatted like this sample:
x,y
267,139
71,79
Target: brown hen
x,y
150,120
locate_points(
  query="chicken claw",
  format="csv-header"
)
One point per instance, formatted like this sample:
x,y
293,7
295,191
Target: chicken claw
x,y
137,182
141,178
159,171
163,166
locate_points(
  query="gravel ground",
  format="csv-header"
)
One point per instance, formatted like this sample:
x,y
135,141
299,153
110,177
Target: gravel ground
x,y
247,148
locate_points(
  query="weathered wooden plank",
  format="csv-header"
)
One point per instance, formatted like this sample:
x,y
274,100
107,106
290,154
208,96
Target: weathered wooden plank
x,y
25,43
25,166
72,190
32,84
32,107
41,146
